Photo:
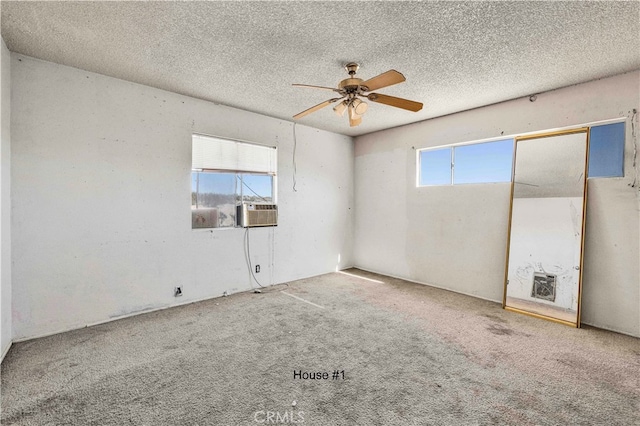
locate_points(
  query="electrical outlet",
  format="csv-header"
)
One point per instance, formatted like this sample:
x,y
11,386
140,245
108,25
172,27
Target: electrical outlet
x,y
177,291
257,269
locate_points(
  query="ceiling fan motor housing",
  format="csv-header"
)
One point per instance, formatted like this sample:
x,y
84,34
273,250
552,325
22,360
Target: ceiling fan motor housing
x,y
350,85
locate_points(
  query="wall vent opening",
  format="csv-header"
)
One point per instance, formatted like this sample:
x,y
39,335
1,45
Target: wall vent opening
x,y
544,286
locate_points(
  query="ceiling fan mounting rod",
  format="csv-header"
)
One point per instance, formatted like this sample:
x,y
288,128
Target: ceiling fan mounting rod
x,y
352,68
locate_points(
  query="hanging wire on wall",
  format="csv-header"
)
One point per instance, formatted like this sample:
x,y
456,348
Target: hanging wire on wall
x,y
634,138
272,253
247,253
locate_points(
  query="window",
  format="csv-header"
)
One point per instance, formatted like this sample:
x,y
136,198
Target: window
x,y
486,162
435,167
225,173
483,162
606,150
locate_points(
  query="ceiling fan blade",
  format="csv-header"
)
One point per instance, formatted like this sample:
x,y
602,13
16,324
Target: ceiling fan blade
x,y
315,108
354,119
385,79
316,87
395,102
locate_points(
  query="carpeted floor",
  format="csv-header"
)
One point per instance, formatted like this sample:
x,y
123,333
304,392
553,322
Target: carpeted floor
x,y
405,354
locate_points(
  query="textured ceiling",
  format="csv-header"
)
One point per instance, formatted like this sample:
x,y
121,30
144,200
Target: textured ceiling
x,y
454,55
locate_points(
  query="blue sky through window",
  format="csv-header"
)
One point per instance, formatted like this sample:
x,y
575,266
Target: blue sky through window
x,y
435,167
229,184
260,184
488,162
606,150
483,162
214,183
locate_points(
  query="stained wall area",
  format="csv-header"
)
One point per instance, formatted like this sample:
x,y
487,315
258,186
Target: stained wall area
x,y
454,237
102,200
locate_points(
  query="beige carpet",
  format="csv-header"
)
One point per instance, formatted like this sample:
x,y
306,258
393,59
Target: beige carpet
x,y
405,354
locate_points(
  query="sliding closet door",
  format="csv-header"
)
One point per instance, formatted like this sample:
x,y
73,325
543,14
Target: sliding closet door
x,y
546,229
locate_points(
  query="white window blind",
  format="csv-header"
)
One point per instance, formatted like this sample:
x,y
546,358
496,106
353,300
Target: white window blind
x,y
209,153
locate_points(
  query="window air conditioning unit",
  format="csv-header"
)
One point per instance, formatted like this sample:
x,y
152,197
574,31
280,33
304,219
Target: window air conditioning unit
x,y
249,215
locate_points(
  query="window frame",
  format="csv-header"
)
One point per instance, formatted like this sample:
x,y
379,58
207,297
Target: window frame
x,y
453,147
419,168
513,138
239,192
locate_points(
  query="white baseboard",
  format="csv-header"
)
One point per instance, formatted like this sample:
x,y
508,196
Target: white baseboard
x,y
484,298
428,284
119,317
145,311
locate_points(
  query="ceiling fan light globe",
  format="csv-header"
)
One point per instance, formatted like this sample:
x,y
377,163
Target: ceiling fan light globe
x,y
340,108
352,113
359,106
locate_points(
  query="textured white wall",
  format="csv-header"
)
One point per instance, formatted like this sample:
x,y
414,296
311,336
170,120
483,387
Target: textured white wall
x,y
5,200
101,207
455,237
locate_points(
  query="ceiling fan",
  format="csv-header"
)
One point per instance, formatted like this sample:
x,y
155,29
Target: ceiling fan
x,y
352,89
